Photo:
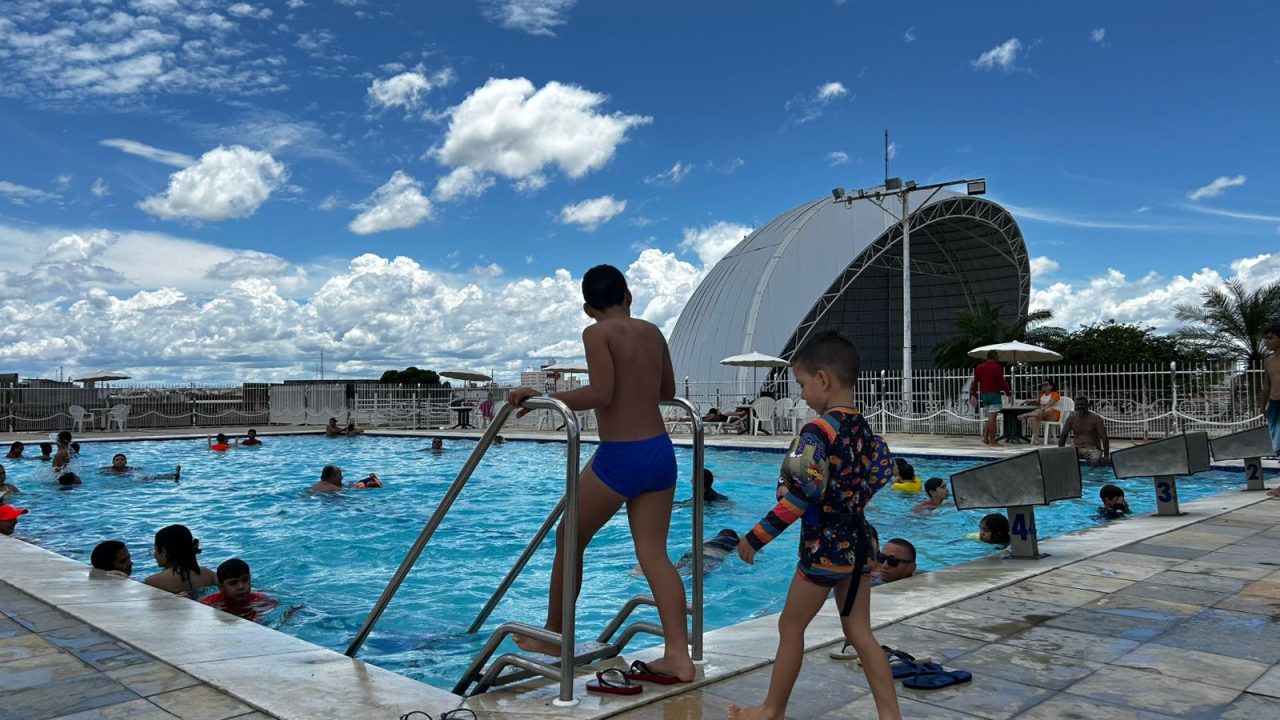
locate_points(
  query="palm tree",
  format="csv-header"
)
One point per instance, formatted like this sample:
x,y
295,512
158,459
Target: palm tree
x,y
984,326
1230,321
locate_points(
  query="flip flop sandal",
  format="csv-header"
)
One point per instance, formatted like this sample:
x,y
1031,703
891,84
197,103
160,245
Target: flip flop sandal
x,y
613,682
642,672
933,676
458,714
903,665
846,652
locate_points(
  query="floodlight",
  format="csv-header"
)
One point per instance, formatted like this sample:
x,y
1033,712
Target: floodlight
x,y
862,193
976,187
893,184
911,184
837,193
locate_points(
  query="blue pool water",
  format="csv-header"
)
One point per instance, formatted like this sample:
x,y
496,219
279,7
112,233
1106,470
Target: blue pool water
x,y
334,554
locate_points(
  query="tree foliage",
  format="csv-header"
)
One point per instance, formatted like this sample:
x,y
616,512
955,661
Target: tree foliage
x,y
410,376
1230,321
985,326
1111,343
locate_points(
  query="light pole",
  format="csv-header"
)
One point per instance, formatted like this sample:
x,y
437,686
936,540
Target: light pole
x,y
896,187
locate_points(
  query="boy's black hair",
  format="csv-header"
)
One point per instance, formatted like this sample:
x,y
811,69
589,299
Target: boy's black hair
x,y
933,484
46,448
998,526
17,445
119,455
180,550
904,543
103,556
906,470
1272,329
231,569
68,478
1110,491
75,448
221,438
64,437
708,477
833,352
604,286
328,471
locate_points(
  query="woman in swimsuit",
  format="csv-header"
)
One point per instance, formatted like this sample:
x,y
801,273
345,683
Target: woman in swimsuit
x,y
175,553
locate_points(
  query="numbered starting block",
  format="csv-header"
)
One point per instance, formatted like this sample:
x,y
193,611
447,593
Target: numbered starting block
x,y
1164,460
1018,484
1247,445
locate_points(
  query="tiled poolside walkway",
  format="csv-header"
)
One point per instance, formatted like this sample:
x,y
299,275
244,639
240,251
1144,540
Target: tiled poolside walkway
x,y
1183,625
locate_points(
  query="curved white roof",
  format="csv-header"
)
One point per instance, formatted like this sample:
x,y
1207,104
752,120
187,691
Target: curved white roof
x,y
833,263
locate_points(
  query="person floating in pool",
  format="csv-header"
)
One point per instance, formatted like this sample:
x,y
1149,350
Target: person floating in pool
x,y
437,444
46,452
119,465
714,551
629,366
907,481
62,457
708,494
937,492
331,481
180,573
69,479
1113,503
15,451
332,430
352,430
993,528
235,594
112,557
219,443
252,440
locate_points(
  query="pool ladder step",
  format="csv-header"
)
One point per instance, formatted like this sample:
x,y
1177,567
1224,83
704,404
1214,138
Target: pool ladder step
x,y
514,667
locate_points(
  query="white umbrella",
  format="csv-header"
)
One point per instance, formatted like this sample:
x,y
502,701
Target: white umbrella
x,y
1016,352
468,375
754,360
100,376
567,367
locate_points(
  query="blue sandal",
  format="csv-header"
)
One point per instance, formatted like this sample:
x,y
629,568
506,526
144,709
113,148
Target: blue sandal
x,y
932,676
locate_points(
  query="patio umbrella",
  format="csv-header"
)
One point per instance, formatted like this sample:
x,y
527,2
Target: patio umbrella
x,y
100,376
567,367
1016,352
755,360
467,375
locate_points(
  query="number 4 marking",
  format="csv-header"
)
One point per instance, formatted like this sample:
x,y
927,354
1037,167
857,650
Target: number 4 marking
x,y
1020,526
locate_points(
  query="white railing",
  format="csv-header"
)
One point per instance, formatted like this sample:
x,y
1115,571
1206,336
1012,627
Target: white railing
x,y
47,408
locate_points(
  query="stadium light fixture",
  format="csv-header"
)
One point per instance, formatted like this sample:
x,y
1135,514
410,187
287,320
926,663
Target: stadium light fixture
x,y
976,187
837,193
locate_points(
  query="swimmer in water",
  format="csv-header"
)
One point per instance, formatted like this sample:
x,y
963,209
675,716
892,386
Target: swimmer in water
x,y
15,450
219,443
119,464
332,429
1113,502
46,451
994,529
936,489
252,440
112,557
68,479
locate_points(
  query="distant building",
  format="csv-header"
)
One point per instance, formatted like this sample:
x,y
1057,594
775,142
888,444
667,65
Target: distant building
x,y
827,264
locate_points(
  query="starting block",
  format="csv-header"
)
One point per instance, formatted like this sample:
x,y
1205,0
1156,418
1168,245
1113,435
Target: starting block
x,y
1249,446
1164,460
1018,484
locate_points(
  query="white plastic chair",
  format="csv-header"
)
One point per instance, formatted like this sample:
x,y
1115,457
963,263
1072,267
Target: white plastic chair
x,y
119,415
782,411
78,416
762,414
1065,407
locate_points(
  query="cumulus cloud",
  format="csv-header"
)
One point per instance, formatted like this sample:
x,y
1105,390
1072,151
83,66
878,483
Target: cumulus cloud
x,y
1216,188
1042,266
406,90
21,194
100,188
909,35
1098,35
154,154
227,182
536,17
591,214
712,242
837,157
396,205
462,183
250,264
678,172
509,128
246,10
805,108
1003,56
62,181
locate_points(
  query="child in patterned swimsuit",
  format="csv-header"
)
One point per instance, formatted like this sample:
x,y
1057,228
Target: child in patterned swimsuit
x,y
828,477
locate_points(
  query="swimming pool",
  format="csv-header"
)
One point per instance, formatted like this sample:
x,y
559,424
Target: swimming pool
x,y
334,554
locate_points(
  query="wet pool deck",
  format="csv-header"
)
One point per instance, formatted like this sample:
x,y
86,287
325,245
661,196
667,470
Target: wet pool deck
x,y
1147,618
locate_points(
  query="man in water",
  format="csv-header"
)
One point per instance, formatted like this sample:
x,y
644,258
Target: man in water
x,y
714,551
1092,444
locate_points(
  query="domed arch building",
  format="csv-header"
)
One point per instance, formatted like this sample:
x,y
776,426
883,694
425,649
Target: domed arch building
x,y
836,264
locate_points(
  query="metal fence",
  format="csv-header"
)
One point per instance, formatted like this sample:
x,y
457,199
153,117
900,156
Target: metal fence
x,y
56,408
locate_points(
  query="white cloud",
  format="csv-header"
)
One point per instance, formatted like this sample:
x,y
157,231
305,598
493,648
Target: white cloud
x,y
892,150
246,10
712,242
491,270
1003,56
461,183
1098,35
154,154
837,157
227,182
314,41
509,128
406,90
810,107
396,205
1042,266
591,214
678,172
330,201
20,194
1216,188
1143,209
536,17
909,36
100,188
62,181
1259,217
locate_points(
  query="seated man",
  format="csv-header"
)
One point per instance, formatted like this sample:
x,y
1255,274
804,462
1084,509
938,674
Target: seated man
x,y
1092,444
332,429
897,561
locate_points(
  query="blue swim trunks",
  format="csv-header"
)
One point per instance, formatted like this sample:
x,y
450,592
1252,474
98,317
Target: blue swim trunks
x,y
636,466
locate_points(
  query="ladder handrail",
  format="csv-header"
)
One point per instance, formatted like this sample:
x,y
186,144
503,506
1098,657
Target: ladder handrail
x,y
451,495
698,501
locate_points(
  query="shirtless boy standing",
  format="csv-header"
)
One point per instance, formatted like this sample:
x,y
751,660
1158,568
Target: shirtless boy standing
x,y
630,371
1270,396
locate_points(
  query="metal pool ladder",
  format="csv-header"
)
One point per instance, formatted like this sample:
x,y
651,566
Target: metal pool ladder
x,y
513,667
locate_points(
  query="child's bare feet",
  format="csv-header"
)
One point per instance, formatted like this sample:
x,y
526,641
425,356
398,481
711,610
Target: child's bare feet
x,y
737,712
681,667
534,645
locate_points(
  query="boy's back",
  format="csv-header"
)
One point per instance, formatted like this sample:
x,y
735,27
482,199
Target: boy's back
x,y
639,368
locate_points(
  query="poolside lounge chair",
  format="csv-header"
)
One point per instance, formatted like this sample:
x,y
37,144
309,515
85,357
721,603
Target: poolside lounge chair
x,y
78,416
1066,406
119,415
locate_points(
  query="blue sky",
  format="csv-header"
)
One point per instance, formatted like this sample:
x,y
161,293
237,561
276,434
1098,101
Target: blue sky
x,y
216,190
